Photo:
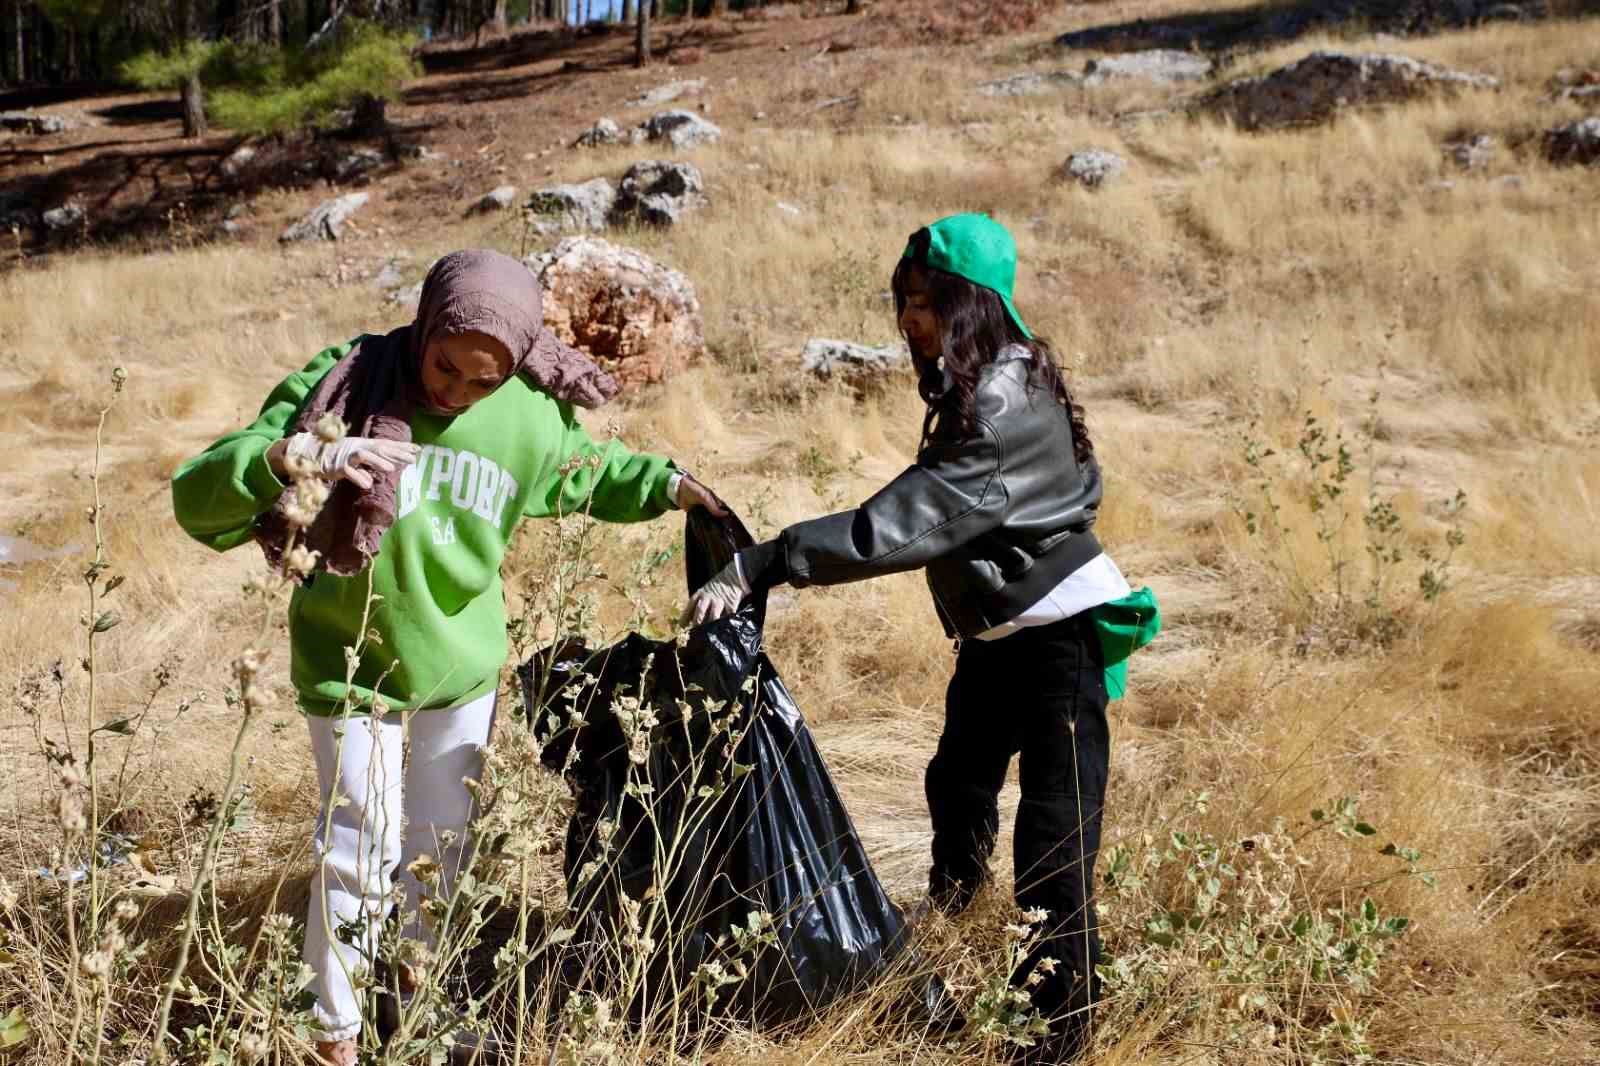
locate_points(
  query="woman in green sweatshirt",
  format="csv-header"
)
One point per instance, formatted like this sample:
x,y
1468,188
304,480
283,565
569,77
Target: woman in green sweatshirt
x,y
457,426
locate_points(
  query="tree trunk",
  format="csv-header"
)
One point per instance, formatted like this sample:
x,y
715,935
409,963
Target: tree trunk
x,y
371,117
275,23
852,7
719,7
194,107
498,19
627,11
641,38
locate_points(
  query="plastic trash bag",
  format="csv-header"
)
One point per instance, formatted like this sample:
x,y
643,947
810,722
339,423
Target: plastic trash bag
x,y
702,807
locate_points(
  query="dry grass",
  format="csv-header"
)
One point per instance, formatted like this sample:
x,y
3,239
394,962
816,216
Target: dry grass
x,y
1229,279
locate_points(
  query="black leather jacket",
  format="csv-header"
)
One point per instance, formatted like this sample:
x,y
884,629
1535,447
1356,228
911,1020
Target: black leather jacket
x,y
998,518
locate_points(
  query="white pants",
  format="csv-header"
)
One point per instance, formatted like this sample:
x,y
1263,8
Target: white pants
x,y
358,842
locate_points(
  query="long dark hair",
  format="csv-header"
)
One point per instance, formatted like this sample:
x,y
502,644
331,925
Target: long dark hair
x,y
975,328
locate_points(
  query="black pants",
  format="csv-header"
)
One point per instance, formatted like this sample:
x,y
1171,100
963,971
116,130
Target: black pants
x,y
1040,693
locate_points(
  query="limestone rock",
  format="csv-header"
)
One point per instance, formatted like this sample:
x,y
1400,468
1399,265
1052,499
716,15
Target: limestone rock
x,y
238,161
356,164
66,217
637,318
327,220
497,199
682,129
33,122
1318,87
1471,153
1161,66
585,206
603,132
1093,167
1033,83
659,192
859,365
662,94
1575,143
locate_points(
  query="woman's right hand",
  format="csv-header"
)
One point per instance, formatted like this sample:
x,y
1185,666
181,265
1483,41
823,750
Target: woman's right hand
x,y
356,459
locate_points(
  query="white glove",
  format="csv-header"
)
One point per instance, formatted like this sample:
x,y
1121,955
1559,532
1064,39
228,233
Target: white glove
x,y
353,458
720,596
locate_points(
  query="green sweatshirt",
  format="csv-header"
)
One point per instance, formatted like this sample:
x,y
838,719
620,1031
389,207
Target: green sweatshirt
x,y
441,619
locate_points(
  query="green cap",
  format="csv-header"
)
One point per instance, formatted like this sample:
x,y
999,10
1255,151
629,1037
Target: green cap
x,y
977,248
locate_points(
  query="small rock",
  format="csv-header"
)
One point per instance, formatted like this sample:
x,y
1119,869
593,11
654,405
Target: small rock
x,y
789,209
65,217
237,211
1471,153
683,129
637,318
238,160
1318,87
1093,167
585,206
658,192
1031,84
422,154
498,199
759,116
1160,66
327,220
858,365
603,132
1575,143
1510,182
355,164
229,228
662,94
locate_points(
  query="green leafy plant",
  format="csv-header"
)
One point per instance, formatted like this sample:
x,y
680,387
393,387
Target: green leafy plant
x,y
1314,484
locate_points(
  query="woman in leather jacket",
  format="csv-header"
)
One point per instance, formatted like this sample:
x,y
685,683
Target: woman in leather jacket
x,y
998,511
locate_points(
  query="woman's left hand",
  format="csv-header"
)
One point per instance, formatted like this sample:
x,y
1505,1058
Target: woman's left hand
x,y
693,494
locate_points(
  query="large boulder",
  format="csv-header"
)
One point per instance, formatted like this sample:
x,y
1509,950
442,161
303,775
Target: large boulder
x,y
1093,167
327,220
638,319
860,366
658,192
1576,142
1318,87
681,129
583,206
1161,66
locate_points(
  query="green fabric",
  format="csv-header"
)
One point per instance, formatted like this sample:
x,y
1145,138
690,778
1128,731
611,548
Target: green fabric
x,y
1124,626
977,248
441,620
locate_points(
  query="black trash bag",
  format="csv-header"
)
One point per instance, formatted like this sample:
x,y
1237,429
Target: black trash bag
x,y
721,809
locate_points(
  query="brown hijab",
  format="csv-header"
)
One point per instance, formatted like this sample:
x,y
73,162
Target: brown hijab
x,y
375,389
